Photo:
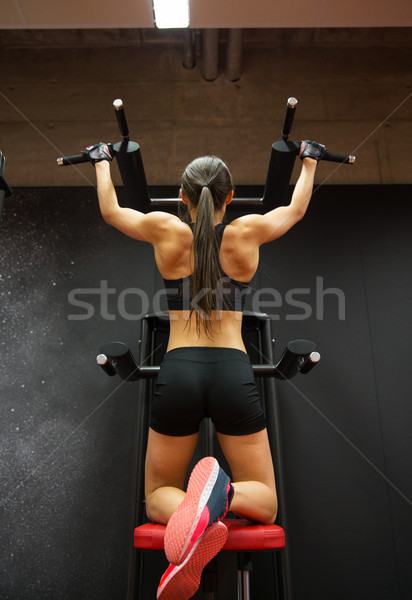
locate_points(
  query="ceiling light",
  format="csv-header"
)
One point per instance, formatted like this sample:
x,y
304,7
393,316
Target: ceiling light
x,y
171,13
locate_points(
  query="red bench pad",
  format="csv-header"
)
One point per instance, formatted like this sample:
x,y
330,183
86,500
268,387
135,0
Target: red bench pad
x,y
243,535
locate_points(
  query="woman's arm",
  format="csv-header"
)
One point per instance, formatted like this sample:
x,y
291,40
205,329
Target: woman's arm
x,y
278,221
140,226
275,223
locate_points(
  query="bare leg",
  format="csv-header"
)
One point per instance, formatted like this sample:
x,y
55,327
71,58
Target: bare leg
x,y
250,460
167,461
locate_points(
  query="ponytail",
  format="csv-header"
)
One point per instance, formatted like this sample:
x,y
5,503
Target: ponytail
x,y
207,269
207,183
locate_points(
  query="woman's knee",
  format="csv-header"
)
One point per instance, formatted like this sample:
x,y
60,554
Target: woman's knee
x,y
162,502
269,506
273,511
255,500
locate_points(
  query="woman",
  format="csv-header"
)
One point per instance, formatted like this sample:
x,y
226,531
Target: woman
x,y
206,266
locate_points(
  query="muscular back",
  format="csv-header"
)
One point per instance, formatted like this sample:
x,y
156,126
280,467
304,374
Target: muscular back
x,y
239,253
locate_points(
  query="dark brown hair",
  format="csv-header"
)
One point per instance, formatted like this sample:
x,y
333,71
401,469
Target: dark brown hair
x,y
206,182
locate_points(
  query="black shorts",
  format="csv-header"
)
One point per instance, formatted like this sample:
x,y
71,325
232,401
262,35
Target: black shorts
x,y
198,382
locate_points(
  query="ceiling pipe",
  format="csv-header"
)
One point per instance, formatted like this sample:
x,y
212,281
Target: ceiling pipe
x,y
210,55
188,50
234,54
197,43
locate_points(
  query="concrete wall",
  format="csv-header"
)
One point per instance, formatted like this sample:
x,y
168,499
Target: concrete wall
x,y
57,88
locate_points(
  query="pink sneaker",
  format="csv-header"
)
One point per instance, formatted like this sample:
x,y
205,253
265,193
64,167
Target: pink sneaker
x,y
181,582
207,499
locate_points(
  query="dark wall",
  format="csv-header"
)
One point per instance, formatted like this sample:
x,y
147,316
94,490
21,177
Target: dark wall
x,y
346,426
67,429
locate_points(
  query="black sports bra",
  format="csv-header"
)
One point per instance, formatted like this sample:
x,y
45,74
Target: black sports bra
x,y
179,291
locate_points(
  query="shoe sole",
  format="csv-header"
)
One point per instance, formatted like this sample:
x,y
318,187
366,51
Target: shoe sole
x,y
181,582
192,516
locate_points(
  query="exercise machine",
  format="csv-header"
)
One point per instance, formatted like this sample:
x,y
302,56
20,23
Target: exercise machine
x,y
129,160
266,543
116,358
5,190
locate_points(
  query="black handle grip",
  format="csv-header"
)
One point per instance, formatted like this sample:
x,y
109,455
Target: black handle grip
x,y
79,158
72,160
107,365
347,159
289,116
307,362
121,119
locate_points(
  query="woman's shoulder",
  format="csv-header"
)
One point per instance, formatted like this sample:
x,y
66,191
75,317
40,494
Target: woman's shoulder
x,y
163,219
239,253
245,225
242,232
173,248
166,227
